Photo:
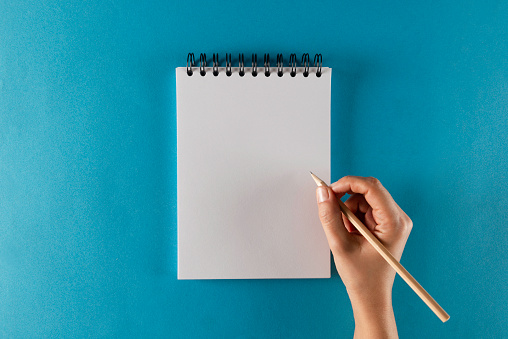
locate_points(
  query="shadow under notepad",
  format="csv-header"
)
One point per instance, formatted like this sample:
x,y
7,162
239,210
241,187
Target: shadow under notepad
x,y
346,80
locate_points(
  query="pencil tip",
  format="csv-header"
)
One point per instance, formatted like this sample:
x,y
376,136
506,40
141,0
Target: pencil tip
x,y
318,181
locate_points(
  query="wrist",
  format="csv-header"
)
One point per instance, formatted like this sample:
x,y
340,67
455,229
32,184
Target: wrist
x,y
368,305
373,315
381,296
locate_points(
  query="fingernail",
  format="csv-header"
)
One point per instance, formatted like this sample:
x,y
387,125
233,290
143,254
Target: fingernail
x,y
322,194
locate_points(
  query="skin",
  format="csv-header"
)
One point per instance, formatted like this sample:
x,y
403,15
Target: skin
x,y
367,276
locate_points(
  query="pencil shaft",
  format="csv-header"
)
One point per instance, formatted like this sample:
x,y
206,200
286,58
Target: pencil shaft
x,y
404,274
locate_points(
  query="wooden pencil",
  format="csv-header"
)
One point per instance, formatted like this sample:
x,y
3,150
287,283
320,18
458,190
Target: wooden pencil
x,y
404,274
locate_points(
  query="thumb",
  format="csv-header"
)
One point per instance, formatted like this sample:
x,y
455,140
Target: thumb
x,y
331,219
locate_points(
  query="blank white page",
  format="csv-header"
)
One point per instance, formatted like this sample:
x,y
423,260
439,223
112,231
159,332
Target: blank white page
x,y
246,201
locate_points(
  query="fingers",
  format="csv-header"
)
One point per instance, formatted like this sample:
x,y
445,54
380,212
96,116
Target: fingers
x,y
375,194
361,208
357,203
331,219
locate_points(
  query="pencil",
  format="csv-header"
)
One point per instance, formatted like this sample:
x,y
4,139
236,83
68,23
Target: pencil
x,y
404,274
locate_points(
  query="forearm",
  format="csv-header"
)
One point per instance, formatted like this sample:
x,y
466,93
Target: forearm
x,y
374,316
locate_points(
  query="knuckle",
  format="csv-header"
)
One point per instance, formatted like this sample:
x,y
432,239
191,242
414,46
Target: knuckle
x,y
409,223
348,179
374,181
406,223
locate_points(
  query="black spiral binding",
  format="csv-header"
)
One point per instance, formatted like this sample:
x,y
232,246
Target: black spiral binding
x,y
292,62
318,64
228,65
280,65
266,60
216,64
254,65
306,63
241,68
202,64
190,63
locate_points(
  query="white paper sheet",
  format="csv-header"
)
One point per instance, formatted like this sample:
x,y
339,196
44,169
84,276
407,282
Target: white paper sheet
x,y
246,201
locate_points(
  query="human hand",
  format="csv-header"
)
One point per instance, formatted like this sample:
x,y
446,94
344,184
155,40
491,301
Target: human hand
x,y
367,276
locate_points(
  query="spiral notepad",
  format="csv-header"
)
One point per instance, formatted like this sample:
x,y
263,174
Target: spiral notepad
x,y
247,136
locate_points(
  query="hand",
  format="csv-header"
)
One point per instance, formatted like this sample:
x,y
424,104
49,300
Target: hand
x,y
367,276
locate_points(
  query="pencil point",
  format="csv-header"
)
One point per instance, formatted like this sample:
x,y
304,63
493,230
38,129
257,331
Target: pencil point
x,y
318,181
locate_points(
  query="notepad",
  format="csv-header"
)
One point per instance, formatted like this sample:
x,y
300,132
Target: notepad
x,y
245,146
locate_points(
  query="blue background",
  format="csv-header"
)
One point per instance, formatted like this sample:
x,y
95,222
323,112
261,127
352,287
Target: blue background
x,y
88,162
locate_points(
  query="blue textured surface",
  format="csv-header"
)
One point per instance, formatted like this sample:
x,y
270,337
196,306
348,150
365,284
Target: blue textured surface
x,y
88,162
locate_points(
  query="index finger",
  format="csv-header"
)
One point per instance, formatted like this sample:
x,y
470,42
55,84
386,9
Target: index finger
x,y
375,194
